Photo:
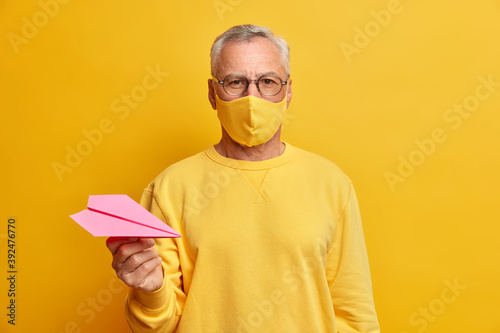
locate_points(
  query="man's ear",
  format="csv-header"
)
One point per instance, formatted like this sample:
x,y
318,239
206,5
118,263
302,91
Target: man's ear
x,y
289,93
211,94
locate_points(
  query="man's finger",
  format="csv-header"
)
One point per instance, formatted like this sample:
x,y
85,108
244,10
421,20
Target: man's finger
x,y
126,250
136,260
113,243
138,278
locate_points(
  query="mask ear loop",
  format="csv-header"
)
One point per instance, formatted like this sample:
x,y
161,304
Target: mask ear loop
x,y
286,89
215,81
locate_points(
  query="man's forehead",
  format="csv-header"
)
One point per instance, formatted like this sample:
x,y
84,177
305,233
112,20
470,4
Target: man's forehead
x,y
252,41
258,56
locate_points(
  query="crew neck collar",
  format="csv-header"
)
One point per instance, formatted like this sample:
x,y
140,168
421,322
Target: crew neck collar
x,y
251,165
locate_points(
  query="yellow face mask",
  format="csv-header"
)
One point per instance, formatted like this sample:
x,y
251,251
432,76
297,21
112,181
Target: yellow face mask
x,y
250,120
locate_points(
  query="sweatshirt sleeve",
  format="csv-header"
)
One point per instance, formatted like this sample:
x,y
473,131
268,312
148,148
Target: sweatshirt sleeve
x,y
348,273
161,310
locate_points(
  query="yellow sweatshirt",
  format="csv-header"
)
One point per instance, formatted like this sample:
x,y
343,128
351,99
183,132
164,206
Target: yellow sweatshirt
x,y
267,246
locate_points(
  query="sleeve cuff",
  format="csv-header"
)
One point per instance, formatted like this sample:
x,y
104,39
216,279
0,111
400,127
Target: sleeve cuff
x,y
154,301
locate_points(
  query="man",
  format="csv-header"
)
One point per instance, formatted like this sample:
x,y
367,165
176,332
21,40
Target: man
x,y
272,239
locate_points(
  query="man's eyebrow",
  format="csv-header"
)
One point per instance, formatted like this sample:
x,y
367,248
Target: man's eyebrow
x,y
267,73
258,74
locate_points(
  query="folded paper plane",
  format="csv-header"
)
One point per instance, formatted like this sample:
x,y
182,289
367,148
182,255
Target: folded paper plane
x,y
118,215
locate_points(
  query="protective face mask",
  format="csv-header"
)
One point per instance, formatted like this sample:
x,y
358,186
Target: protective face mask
x,y
250,120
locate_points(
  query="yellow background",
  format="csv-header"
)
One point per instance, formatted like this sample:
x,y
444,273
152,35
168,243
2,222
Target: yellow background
x,y
363,111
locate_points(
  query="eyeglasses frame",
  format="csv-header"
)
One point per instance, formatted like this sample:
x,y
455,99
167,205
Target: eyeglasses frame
x,y
256,82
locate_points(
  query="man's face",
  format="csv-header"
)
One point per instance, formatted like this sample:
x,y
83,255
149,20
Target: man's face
x,y
252,60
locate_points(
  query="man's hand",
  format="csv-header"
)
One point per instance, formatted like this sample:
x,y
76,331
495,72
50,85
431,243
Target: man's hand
x,y
136,262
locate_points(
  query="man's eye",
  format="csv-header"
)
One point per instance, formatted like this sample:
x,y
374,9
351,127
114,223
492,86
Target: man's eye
x,y
235,83
268,82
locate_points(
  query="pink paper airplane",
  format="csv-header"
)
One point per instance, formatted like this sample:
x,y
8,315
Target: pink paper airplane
x,y
118,215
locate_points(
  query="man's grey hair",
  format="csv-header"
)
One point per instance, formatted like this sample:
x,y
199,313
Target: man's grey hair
x,y
245,33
